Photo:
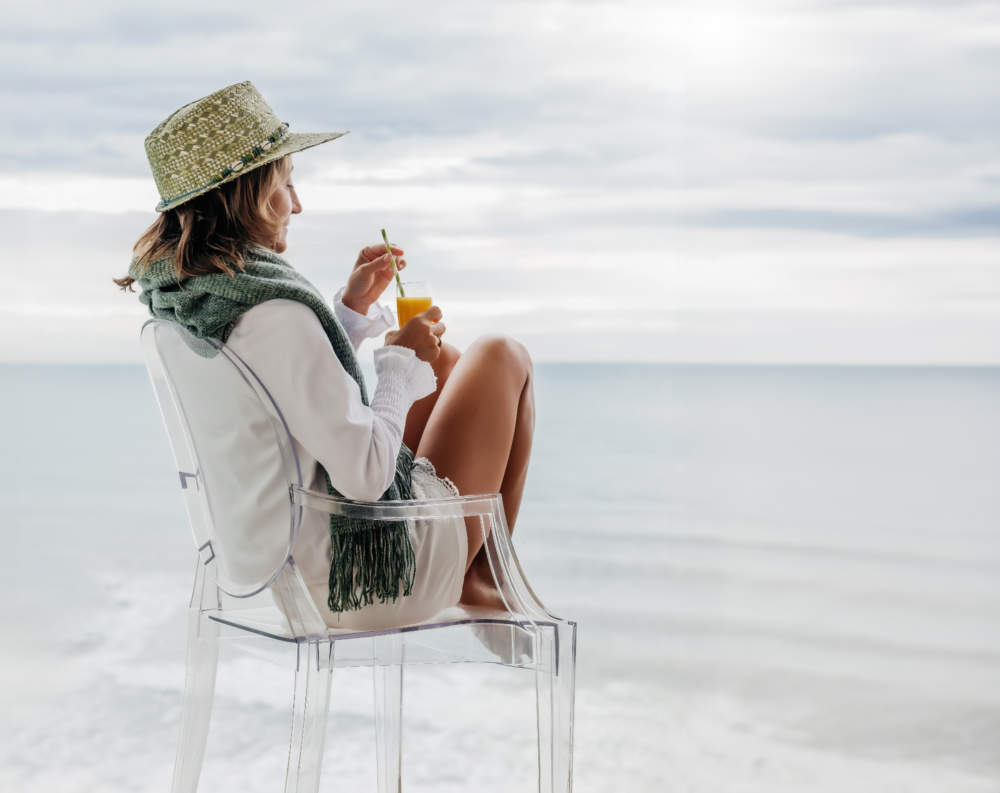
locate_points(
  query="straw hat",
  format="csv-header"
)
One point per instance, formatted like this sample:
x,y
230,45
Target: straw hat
x,y
215,139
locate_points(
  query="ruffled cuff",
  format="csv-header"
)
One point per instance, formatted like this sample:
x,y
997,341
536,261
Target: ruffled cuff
x,y
362,326
402,375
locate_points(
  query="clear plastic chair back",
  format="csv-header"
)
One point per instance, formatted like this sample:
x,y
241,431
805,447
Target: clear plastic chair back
x,y
234,455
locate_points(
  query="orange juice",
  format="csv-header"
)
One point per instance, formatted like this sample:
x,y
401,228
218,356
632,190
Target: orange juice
x,y
407,307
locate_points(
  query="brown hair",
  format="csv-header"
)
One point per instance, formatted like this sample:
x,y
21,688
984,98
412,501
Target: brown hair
x,y
211,233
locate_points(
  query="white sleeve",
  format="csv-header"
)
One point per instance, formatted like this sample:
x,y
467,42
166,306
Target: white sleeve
x,y
286,346
363,326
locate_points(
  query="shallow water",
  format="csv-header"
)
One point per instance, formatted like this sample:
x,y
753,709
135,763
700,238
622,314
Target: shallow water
x,y
786,578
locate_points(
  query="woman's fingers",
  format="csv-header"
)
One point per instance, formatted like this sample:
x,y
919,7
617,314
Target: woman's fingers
x,y
384,262
433,313
422,334
437,329
372,252
400,263
430,345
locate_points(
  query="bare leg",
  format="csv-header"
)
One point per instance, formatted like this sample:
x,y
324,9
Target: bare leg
x,y
480,588
480,430
421,410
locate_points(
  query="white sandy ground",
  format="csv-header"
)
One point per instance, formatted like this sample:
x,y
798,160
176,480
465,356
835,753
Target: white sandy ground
x,y
110,723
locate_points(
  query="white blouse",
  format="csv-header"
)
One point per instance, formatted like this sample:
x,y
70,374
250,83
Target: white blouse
x,y
285,344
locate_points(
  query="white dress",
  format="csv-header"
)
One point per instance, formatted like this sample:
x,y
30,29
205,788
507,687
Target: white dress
x,y
285,344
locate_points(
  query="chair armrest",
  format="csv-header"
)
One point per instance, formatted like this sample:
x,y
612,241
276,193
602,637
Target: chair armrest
x,y
487,507
455,506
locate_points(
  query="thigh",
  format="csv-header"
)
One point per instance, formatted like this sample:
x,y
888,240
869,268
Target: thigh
x,y
468,434
420,411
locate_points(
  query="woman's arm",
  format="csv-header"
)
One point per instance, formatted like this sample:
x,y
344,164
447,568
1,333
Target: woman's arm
x,y
362,326
285,344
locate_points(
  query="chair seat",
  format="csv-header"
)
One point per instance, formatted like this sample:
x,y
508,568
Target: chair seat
x,y
506,637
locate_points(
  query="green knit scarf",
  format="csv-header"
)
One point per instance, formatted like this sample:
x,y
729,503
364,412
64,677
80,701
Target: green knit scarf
x,y
369,558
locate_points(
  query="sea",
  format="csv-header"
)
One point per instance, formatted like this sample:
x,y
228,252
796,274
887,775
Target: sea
x,y
786,578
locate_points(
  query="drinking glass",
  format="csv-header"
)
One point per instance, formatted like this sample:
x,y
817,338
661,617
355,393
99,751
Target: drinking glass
x,y
418,298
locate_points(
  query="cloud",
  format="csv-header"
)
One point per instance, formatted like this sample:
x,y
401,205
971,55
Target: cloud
x,y
618,160
959,222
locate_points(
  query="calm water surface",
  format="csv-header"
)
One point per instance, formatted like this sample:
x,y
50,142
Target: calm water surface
x,y
786,578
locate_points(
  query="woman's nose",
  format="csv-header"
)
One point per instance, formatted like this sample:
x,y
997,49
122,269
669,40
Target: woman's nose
x,y
296,205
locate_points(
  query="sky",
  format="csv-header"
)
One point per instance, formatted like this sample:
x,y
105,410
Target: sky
x,y
815,181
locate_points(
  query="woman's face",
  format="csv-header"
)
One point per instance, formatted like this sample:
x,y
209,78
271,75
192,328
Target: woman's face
x,y
283,204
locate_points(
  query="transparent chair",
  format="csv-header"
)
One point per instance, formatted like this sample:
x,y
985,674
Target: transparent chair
x,y
243,491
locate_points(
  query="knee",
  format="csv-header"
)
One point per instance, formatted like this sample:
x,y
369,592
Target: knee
x,y
501,348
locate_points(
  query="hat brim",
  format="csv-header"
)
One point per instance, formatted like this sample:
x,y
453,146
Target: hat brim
x,y
291,143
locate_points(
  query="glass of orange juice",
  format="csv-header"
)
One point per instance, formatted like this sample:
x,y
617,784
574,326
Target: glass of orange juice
x,y
417,298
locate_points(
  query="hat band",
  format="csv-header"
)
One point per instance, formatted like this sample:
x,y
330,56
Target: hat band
x,y
246,159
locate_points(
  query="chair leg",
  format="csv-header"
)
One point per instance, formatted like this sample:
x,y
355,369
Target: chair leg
x,y
388,677
555,672
310,706
196,708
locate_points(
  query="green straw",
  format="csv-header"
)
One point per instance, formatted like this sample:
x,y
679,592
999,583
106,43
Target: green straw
x,y
399,283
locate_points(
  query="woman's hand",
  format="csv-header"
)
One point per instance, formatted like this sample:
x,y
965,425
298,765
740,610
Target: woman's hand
x,y
422,334
371,275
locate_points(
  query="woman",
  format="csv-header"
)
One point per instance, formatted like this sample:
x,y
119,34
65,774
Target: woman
x,y
223,167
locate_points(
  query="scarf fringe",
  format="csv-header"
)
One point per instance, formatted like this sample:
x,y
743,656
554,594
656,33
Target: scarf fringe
x,y
373,559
